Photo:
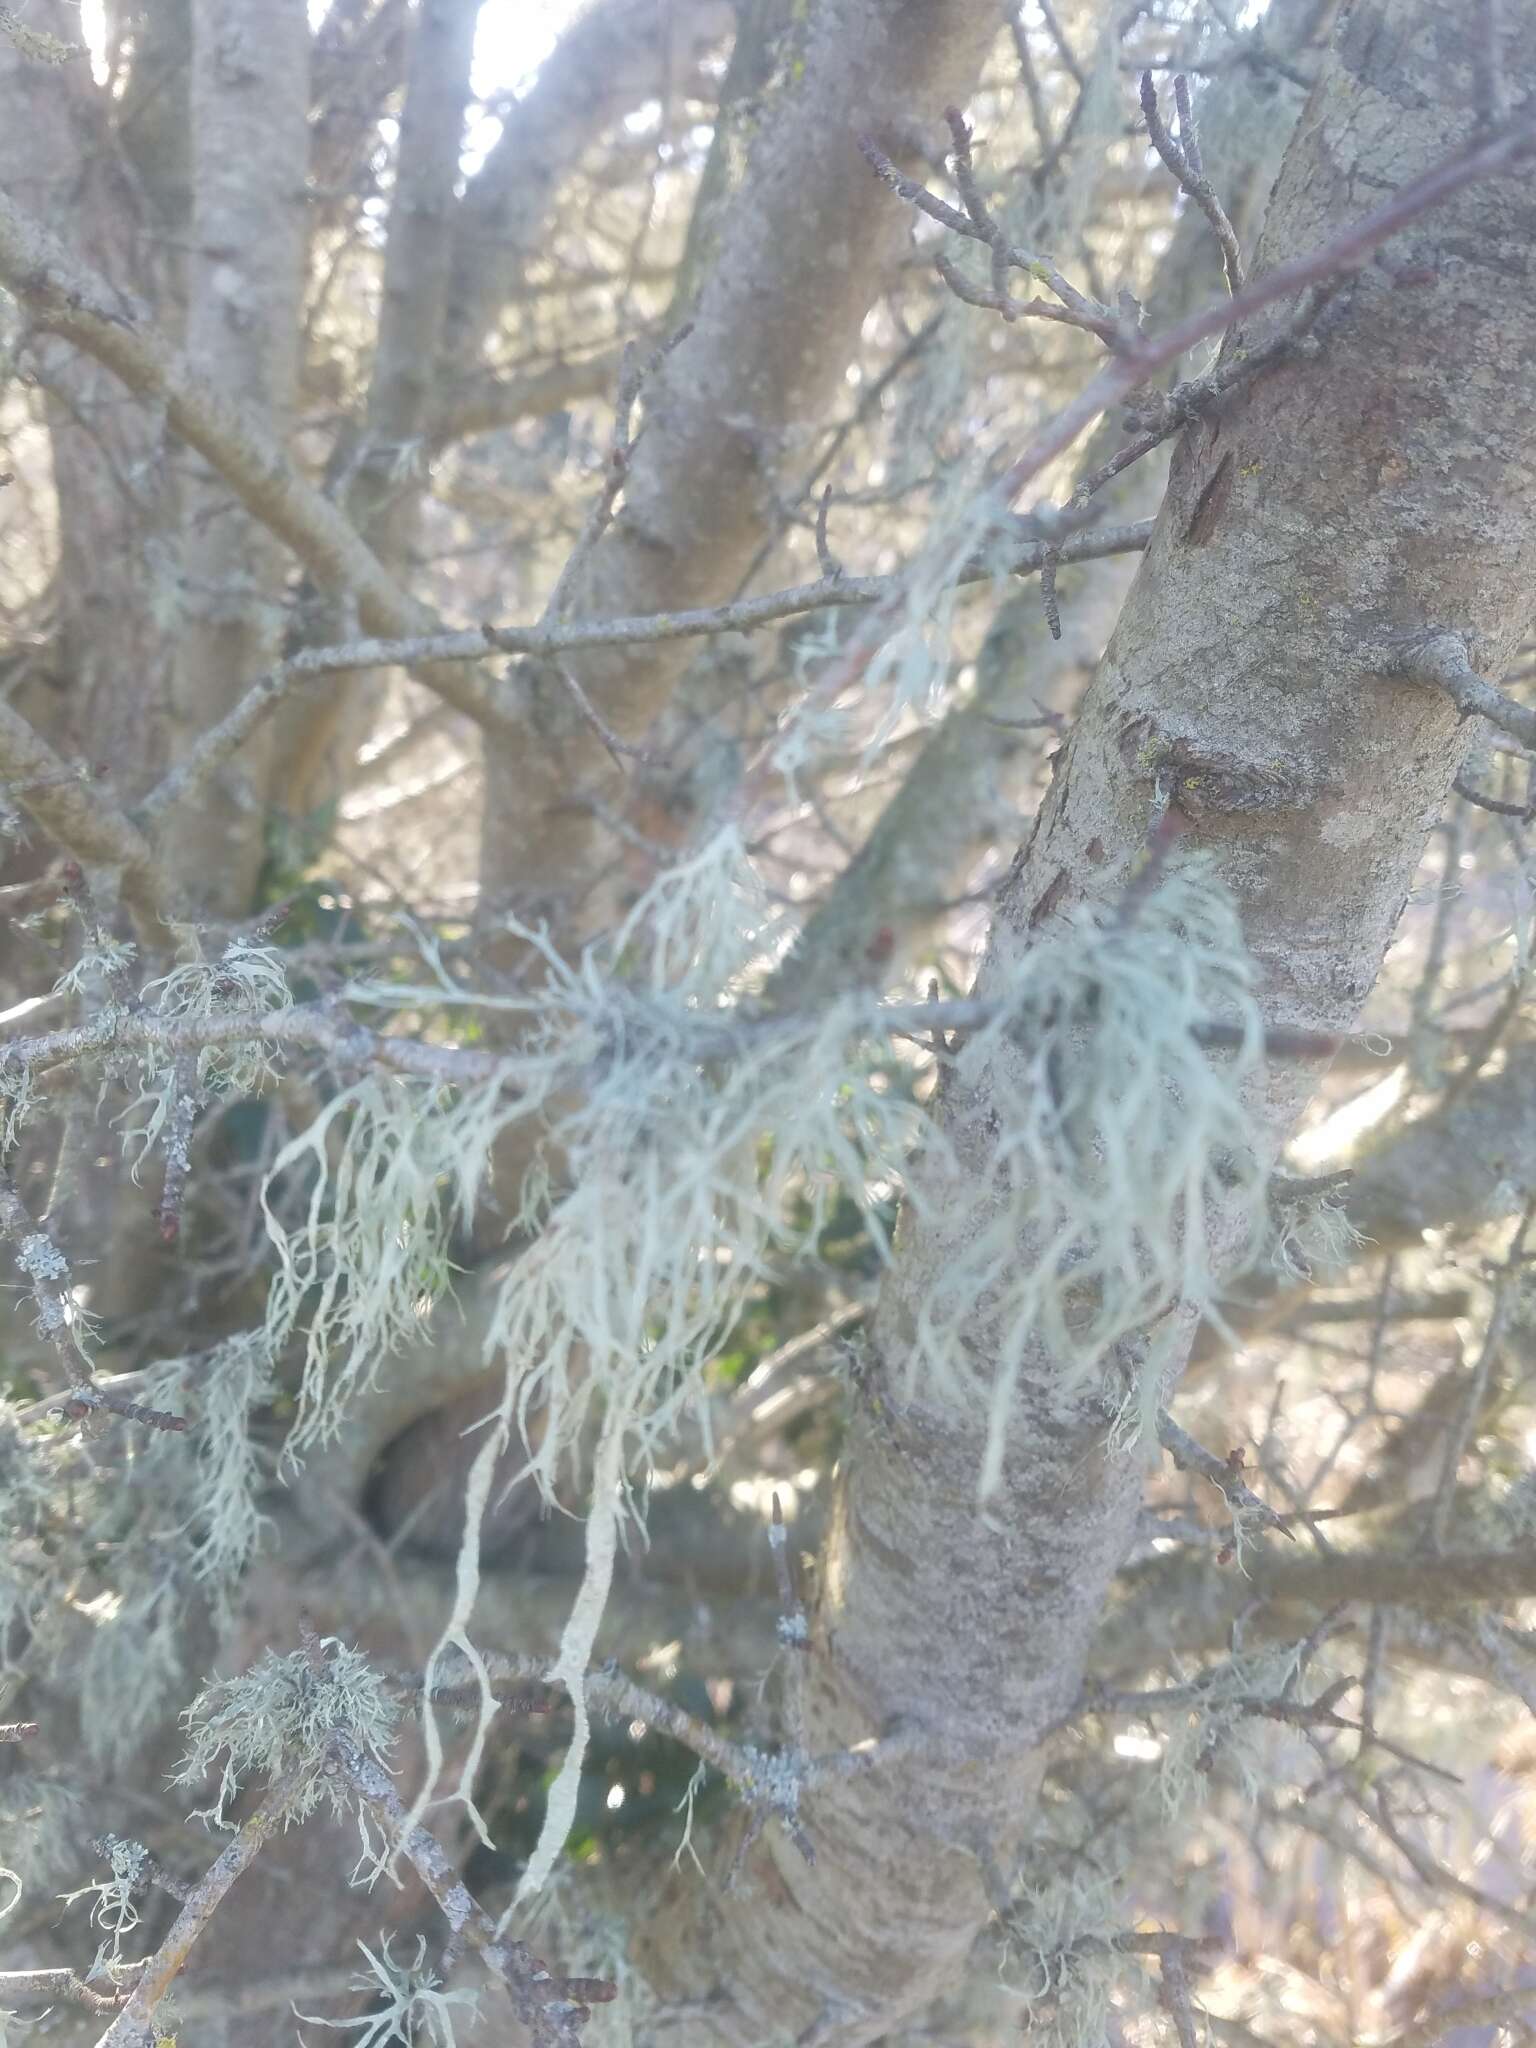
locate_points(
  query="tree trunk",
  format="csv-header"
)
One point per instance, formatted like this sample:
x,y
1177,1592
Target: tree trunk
x,y
954,800
250,149
801,257
1383,485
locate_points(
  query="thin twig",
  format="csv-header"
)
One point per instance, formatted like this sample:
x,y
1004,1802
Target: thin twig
x,y
1184,162
552,2008
322,1028
1459,1435
57,1984
436,650
794,1627
1190,1455
202,1901
1346,251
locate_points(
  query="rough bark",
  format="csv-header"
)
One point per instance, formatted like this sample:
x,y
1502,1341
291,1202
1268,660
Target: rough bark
x,y
1338,502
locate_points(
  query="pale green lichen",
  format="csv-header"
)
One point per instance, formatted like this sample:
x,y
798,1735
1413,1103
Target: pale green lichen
x,y
1313,1233
30,1568
682,1144
17,1095
392,1163
410,2004
278,1718
1115,1143
114,1908
1059,1961
100,963
242,979
215,1491
37,44
1222,1738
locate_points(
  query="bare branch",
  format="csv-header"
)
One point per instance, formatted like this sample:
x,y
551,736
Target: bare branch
x,y
553,2008
1441,659
976,225
435,651
63,297
1184,162
324,1028
1345,252
56,1984
202,1901
1223,1473
83,819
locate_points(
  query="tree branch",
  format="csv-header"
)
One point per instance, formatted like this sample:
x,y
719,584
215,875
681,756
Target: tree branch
x,y
63,297
202,1901
83,820
553,2008
1440,659
435,650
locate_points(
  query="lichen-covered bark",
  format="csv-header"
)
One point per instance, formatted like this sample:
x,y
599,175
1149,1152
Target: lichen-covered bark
x,y
1380,486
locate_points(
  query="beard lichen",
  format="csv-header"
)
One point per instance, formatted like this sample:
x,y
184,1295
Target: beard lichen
x,y
277,1718
670,1130
1100,1169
